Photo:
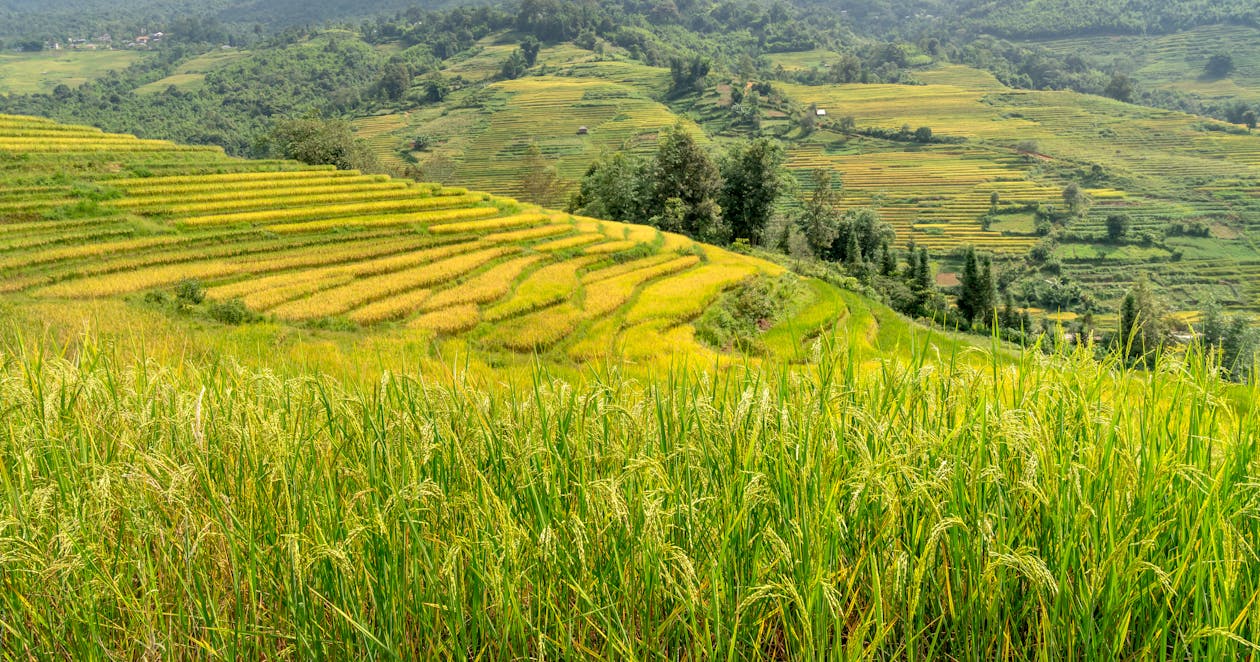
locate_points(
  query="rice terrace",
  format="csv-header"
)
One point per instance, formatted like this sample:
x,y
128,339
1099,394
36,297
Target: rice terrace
x,y
544,329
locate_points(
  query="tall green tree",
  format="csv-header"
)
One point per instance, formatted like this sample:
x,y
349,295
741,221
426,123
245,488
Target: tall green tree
x,y
683,171
753,181
819,218
615,187
318,141
1142,329
977,293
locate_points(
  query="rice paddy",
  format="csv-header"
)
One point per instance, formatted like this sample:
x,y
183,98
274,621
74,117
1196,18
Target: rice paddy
x,y
313,246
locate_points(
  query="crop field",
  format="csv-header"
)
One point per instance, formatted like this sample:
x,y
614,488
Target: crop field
x,y
191,74
1160,168
24,73
477,139
1176,61
315,246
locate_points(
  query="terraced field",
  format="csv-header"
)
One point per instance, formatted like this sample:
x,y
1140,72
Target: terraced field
x,y
480,134
1176,61
88,215
1161,168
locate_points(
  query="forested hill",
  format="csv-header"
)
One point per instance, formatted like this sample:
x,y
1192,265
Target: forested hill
x,y
22,18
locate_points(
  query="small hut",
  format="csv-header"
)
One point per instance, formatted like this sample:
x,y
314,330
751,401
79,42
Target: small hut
x,y
582,131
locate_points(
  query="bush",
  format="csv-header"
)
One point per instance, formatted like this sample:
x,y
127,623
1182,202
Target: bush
x,y
231,312
190,291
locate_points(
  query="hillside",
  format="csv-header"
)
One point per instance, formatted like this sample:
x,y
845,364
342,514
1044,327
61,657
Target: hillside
x,y
92,217
409,419
1188,185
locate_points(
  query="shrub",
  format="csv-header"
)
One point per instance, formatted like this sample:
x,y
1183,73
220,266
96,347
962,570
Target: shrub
x,y
190,291
232,312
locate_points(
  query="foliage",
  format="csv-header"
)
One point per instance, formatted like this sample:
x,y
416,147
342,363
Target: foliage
x,y
753,180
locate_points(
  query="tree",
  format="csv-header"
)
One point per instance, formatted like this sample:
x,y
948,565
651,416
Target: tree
x,y
1118,226
1250,118
819,220
753,180
684,171
977,292
530,47
688,74
540,182
1076,200
1219,66
436,88
316,141
613,188
395,82
1120,88
1142,326
861,230
923,134
515,66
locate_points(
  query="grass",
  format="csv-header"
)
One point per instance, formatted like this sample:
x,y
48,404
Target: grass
x,y
29,73
1046,509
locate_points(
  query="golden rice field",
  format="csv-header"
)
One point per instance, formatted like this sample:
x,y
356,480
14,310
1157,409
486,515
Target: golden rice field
x,y
312,246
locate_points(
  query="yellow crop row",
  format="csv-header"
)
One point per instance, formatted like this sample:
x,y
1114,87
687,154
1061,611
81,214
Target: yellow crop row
x,y
538,330
283,199
551,284
312,282
181,202
627,267
491,224
329,211
610,247
490,286
358,251
384,220
142,279
320,172
88,250
390,309
682,297
607,295
363,291
570,242
271,291
540,232
449,320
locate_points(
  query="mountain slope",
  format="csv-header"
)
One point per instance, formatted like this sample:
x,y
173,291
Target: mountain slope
x,y
92,216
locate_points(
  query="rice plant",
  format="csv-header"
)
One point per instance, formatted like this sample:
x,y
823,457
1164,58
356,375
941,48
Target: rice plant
x,y
1046,508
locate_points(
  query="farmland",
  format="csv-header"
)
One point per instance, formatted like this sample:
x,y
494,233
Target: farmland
x,y
313,246
256,409
44,71
999,155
